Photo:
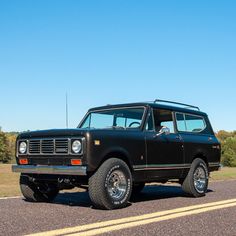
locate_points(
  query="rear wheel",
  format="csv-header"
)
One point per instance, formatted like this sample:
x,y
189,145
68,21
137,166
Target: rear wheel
x,y
40,192
196,182
110,186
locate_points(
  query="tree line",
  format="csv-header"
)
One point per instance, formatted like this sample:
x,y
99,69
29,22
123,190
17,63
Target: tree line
x,y
228,146
227,139
7,146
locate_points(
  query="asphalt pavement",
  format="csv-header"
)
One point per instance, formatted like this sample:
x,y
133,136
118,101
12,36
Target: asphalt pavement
x,y
158,210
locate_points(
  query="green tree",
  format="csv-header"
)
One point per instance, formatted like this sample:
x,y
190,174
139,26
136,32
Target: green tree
x,y
5,152
223,135
229,152
228,144
11,143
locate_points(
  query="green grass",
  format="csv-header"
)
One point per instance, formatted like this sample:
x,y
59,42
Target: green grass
x,y
9,181
225,173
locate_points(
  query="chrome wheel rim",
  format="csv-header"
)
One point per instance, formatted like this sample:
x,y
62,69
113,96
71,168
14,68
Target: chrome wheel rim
x,y
117,185
200,179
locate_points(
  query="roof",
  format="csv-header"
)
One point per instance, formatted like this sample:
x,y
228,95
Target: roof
x,y
151,104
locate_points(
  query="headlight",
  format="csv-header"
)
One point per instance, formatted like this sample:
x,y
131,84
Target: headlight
x,y
23,147
76,146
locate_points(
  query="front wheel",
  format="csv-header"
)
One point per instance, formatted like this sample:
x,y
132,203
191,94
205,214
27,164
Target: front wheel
x,y
40,192
110,186
196,182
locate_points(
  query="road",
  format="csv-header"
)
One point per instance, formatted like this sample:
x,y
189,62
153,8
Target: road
x,y
158,210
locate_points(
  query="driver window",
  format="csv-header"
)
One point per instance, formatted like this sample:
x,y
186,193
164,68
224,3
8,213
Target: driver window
x,y
163,118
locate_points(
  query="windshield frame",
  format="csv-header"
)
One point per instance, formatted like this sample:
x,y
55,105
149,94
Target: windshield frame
x,y
116,108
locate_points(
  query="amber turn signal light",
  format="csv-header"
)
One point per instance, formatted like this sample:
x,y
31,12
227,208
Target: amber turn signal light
x,y
23,161
75,162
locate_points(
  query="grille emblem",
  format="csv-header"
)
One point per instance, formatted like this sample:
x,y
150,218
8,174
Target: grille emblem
x,y
61,150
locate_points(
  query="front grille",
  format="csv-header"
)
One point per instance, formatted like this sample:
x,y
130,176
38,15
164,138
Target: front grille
x,y
34,146
49,146
61,145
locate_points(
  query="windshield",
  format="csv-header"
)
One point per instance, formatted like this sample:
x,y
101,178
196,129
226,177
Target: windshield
x,y
114,118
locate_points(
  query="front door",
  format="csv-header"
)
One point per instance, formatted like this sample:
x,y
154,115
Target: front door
x,y
165,152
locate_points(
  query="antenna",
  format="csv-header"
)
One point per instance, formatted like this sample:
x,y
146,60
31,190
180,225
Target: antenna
x,y
66,111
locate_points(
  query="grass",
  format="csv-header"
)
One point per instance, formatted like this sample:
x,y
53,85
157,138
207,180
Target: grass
x,y
225,173
9,181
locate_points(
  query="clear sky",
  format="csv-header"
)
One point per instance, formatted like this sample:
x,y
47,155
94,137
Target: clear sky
x,y
102,52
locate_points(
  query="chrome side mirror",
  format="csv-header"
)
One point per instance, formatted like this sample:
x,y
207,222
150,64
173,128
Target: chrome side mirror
x,y
164,130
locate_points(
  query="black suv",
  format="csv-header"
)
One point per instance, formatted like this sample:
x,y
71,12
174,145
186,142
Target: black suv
x,y
116,149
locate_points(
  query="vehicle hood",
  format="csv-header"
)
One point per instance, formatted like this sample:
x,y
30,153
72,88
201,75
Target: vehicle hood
x,y
52,133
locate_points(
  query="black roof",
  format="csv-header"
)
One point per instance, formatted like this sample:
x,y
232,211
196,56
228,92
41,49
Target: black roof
x,y
151,104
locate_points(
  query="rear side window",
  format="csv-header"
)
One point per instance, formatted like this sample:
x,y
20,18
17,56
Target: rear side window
x,y
190,123
181,125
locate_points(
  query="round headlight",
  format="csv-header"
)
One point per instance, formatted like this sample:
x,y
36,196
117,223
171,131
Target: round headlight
x,y
23,147
76,146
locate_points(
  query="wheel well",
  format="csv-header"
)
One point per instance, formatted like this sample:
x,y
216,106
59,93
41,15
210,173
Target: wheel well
x,y
119,155
201,156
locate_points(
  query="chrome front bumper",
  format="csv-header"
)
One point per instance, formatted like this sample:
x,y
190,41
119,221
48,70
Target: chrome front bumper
x,y
53,170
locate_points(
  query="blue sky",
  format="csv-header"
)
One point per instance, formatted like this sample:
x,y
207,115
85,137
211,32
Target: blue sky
x,y
102,52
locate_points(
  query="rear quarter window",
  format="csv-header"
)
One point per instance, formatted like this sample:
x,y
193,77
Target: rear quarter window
x,y
190,123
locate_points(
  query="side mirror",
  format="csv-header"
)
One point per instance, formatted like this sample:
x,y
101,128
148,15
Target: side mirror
x,y
163,130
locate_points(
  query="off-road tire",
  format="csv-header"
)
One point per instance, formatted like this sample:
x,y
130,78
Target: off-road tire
x,y
99,182
32,192
188,183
